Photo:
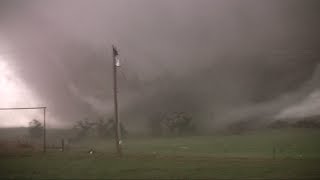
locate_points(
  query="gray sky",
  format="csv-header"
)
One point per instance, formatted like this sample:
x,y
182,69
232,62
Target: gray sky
x,y
220,60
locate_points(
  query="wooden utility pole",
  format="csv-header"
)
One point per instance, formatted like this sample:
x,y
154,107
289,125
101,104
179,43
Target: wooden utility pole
x,y
115,97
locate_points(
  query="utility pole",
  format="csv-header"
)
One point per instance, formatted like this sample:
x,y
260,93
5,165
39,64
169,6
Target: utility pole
x,y
115,97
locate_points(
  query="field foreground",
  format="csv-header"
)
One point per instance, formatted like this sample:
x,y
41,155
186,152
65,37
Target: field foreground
x,y
84,166
289,154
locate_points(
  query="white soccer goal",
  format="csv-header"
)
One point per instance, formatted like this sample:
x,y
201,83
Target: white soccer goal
x,y
44,120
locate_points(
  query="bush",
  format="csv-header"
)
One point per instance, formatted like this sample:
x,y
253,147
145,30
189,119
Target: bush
x,y
307,123
279,124
101,128
83,127
177,123
112,127
107,128
155,124
243,126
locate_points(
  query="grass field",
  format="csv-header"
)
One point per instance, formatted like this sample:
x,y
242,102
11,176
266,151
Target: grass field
x,y
271,154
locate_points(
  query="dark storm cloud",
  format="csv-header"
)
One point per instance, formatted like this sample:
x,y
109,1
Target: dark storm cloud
x,y
210,58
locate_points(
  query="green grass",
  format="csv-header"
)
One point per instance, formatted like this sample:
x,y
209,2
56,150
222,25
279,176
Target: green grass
x,y
220,156
288,143
84,166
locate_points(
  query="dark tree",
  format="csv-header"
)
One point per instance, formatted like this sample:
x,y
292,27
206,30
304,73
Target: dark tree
x,y
35,129
111,127
279,124
307,123
104,128
83,127
155,124
178,123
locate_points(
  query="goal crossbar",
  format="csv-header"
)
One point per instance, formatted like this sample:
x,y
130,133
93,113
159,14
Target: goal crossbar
x,y
22,108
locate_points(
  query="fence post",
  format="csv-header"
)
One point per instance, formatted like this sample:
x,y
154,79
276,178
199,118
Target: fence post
x,y
274,152
62,145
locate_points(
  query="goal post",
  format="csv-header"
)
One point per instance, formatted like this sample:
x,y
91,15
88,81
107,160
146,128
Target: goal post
x,y
44,120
